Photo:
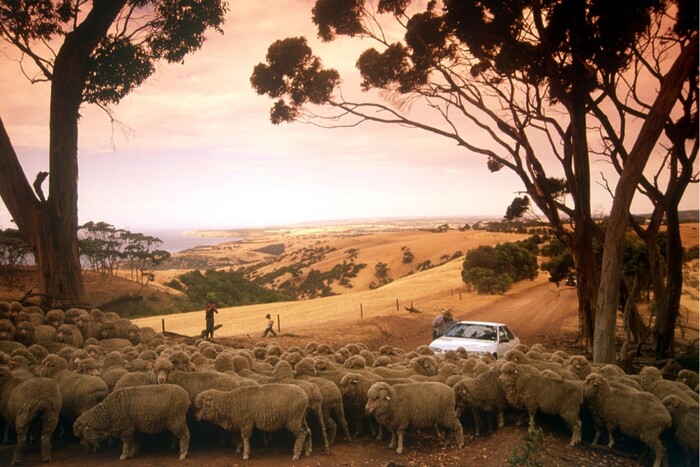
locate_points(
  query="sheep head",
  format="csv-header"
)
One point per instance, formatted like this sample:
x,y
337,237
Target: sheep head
x,y
593,385
162,368
379,395
516,356
207,407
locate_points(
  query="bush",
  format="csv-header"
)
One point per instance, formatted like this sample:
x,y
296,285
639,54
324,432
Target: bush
x,y
494,269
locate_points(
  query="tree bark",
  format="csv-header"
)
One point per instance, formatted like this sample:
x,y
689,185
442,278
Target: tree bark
x,y
611,265
51,227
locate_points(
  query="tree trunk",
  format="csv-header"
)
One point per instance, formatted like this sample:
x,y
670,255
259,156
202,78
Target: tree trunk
x,y
666,321
611,266
51,226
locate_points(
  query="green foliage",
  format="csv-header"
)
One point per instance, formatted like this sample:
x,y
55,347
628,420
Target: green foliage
x,y
691,253
226,288
494,269
486,281
559,267
517,208
14,252
275,249
407,255
424,265
530,453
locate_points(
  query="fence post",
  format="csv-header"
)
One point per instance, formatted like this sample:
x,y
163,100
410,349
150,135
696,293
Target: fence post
x,y
278,323
361,311
397,304
162,324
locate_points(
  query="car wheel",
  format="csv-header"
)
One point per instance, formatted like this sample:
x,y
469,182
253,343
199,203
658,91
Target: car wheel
x,y
495,355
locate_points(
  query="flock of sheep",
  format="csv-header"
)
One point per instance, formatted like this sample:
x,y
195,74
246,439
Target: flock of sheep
x,y
96,376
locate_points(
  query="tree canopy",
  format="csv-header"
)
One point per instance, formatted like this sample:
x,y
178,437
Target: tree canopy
x,y
540,88
91,52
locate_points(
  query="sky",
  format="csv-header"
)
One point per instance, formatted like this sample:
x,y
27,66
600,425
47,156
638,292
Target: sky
x,y
195,149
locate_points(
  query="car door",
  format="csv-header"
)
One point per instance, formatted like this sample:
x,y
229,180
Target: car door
x,y
506,340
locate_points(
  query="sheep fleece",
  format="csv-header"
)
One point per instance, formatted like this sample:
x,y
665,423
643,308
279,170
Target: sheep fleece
x,y
149,409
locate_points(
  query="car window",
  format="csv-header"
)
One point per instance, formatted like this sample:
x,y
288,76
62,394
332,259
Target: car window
x,y
472,331
502,336
509,333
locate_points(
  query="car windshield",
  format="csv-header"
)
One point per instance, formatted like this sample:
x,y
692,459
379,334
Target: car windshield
x,y
482,332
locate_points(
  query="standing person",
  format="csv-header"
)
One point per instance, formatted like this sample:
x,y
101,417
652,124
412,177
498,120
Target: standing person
x,y
209,319
270,324
442,323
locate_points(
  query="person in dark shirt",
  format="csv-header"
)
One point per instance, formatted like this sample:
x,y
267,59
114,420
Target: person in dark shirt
x,y
209,318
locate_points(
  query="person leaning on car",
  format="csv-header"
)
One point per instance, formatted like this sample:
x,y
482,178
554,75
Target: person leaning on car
x,y
442,323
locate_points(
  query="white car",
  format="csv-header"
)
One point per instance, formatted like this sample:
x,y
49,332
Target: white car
x,y
477,337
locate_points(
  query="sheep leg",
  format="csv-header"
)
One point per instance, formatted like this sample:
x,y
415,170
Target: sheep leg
x,y
392,443
21,427
595,438
307,443
322,425
575,426
476,414
246,443
331,427
128,445
340,416
183,435
299,433
48,426
501,418
611,441
456,428
400,432
656,446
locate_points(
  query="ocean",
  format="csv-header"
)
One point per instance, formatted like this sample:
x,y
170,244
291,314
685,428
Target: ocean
x,y
174,241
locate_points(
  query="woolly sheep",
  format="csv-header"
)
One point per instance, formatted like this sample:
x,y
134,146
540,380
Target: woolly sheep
x,y
69,334
268,408
29,334
55,318
482,393
638,415
192,382
540,393
333,409
72,315
419,405
689,378
685,424
8,331
354,387
24,400
78,392
652,381
519,357
36,318
148,409
88,328
284,374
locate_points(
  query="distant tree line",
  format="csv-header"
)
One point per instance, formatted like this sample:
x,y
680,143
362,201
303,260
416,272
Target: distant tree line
x,y
226,288
104,249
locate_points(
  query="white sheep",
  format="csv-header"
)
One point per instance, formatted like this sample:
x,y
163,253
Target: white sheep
x,y
636,414
548,395
269,407
418,405
685,424
482,393
147,409
26,399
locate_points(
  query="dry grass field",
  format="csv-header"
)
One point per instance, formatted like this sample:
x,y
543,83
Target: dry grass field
x,y
533,309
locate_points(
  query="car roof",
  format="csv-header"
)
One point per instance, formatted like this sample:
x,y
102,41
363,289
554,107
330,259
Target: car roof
x,y
487,323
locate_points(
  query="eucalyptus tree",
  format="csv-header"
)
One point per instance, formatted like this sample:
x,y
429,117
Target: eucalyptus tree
x,y
91,52
520,83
